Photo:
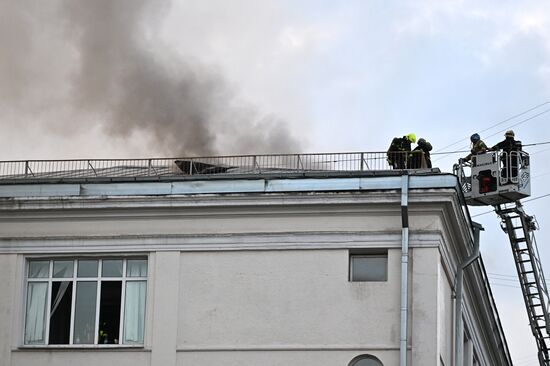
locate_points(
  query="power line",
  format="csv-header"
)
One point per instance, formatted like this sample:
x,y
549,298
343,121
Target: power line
x,y
514,125
463,151
529,200
517,115
541,175
483,213
503,121
502,275
450,152
543,150
536,198
520,122
537,143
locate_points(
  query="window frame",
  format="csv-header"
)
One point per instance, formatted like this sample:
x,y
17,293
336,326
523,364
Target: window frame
x,y
367,253
74,279
367,357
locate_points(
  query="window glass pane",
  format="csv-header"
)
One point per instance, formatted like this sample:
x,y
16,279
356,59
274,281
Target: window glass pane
x,y
87,268
136,268
134,312
112,268
35,319
369,268
60,312
39,269
84,316
63,269
109,312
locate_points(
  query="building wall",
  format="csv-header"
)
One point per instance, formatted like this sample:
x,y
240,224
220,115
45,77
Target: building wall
x,y
284,299
243,280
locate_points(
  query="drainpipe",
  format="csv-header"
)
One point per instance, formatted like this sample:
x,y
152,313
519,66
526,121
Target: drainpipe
x,y
459,328
403,340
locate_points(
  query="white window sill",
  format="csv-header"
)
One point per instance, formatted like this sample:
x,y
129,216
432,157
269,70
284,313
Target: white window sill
x,y
83,347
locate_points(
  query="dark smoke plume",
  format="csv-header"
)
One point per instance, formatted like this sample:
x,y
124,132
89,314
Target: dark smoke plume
x,y
121,78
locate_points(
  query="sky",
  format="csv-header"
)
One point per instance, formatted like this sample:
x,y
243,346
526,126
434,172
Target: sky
x,y
137,78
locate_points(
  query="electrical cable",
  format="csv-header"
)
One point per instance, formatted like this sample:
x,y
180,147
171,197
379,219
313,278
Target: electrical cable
x,y
520,122
463,151
514,125
541,175
501,122
537,143
536,198
529,200
483,213
450,152
537,152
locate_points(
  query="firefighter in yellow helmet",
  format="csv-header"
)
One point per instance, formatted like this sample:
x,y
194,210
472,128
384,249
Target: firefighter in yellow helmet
x,y
399,151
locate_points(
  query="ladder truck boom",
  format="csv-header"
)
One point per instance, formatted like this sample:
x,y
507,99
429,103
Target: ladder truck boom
x,y
520,229
502,179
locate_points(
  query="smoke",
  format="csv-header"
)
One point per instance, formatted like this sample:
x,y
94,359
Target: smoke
x,y
99,61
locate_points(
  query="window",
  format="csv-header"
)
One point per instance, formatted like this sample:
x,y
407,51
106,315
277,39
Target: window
x,y
365,360
85,301
368,267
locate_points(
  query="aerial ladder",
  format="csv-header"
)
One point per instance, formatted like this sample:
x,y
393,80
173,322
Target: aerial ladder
x,y
501,179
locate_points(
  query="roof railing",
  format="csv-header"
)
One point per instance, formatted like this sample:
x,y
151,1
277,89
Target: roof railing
x,y
166,168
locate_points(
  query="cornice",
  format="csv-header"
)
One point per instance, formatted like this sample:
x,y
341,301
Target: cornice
x,y
225,242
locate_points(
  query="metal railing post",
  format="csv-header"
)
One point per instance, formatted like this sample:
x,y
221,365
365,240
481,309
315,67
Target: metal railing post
x,y
92,167
504,160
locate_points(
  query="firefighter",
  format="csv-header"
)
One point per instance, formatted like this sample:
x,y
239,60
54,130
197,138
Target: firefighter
x,y
399,150
420,156
510,155
478,147
509,143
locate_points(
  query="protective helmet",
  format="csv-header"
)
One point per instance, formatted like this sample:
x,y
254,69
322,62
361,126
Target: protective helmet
x,y
411,137
421,141
509,133
475,138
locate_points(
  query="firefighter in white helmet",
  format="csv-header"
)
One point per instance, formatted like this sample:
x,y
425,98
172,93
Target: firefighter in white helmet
x,y
509,155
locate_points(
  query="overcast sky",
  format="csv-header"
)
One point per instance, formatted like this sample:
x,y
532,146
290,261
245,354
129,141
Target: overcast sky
x,y
133,78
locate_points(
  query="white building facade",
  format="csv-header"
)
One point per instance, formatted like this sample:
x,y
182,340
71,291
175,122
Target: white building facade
x,y
241,272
